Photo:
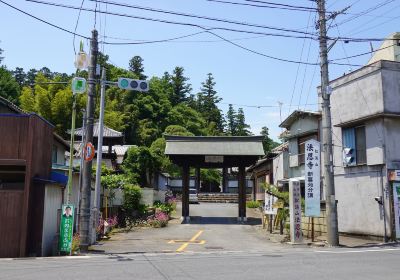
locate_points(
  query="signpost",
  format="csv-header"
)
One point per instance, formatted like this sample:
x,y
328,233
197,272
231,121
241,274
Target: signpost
x,y
89,152
312,179
66,228
296,235
270,201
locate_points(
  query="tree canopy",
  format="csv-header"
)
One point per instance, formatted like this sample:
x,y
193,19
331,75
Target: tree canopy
x,y
169,107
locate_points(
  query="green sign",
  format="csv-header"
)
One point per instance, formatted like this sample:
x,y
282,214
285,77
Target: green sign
x,y
78,85
66,227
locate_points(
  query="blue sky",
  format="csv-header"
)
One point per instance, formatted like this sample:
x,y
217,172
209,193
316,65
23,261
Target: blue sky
x,y
242,77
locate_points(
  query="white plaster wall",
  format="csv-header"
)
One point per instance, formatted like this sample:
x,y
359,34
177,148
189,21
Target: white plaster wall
x,y
374,134
354,97
358,212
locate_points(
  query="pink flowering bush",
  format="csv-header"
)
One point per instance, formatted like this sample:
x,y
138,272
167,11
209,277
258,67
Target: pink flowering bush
x,y
158,220
105,226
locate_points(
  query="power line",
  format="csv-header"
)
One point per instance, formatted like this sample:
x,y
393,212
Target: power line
x,y
213,28
44,21
201,17
76,25
366,11
269,6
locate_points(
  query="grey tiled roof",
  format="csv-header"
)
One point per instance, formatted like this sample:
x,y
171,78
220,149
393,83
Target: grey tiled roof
x,y
214,145
107,132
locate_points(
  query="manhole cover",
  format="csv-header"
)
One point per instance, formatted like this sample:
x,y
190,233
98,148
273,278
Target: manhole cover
x,y
214,247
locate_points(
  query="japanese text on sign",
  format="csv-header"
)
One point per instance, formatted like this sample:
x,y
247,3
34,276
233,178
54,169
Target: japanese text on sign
x,y
295,211
312,178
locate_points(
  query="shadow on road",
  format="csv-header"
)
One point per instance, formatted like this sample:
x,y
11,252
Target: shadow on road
x,y
200,220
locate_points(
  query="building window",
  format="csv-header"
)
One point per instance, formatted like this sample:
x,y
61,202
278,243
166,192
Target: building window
x,y
54,154
301,146
354,146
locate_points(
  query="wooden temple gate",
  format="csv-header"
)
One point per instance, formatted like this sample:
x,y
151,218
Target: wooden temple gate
x,y
214,152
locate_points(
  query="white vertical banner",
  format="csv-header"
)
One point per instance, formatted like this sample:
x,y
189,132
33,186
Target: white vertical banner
x,y
269,201
296,235
396,206
312,179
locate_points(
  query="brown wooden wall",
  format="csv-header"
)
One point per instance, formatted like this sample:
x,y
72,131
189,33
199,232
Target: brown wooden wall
x,y
28,138
10,229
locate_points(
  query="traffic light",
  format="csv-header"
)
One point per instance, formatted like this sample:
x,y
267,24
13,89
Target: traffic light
x,y
348,157
131,84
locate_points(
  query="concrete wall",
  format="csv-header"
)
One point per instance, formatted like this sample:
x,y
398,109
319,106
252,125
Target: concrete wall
x,y
389,50
358,212
150,195
52,210
60,153
357,95
392,140
280,167
362,95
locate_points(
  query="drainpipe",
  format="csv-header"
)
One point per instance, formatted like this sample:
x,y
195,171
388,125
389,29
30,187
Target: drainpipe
x,y
383,206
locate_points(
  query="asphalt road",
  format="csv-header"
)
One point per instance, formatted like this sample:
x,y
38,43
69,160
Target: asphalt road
x,y
212,246
303,264
213,227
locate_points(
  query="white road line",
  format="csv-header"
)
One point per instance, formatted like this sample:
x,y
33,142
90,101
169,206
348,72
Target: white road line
x,y
358,251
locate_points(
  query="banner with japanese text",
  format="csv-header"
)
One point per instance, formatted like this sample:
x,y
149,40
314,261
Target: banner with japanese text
x,y
312,175
66,227
296,235
269,202
396,207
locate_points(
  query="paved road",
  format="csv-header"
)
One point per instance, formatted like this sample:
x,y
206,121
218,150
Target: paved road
x,y
218,248
306,264
213,227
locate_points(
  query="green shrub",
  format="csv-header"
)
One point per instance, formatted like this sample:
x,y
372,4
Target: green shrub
x,y
132,196
253,204
167,208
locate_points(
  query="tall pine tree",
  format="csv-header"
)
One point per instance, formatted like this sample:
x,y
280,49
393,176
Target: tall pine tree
x,y
231,126
136,66
242,127
180,86
207,100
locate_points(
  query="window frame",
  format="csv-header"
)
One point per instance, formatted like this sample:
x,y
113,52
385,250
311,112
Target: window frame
x,y
360,154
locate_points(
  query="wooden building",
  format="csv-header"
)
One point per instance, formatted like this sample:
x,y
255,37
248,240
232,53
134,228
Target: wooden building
x,y
25,163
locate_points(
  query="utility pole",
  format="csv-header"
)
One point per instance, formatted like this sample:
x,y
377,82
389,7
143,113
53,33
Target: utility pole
x,y
329,184
84,229
99,152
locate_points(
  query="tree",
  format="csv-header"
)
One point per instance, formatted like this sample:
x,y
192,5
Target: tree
x,y
30,77
9,88
207,100
177,130
231,121
140,164
268,143
27,99
20,76
188,118
242,127
136,66
1,57
180,87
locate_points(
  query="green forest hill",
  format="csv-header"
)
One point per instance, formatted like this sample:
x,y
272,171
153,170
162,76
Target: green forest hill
x,y
170,107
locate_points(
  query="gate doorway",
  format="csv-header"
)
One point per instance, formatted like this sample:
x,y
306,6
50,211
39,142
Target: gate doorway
x,y
214,152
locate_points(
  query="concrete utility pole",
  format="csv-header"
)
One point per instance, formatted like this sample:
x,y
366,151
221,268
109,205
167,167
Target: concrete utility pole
x,y
329,184
99,154
87,166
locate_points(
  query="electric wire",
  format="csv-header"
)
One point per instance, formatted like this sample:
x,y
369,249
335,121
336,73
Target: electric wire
x,y
44,21
76,25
